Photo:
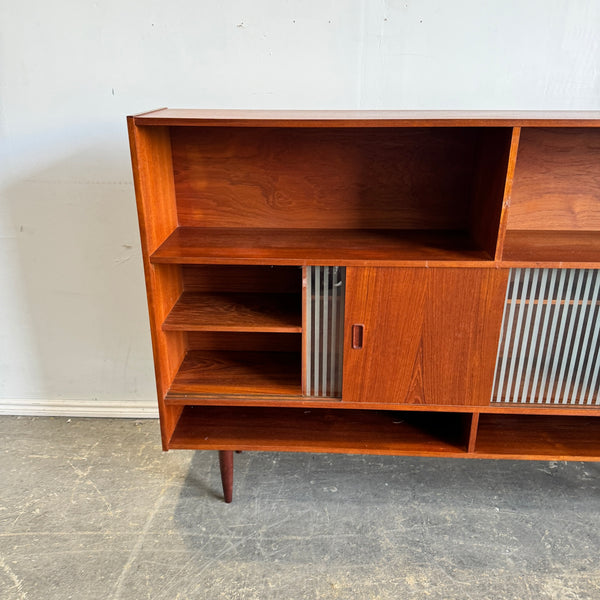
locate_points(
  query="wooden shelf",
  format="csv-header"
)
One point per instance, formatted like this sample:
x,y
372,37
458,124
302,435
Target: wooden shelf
x,y
552,248
276,313
219,373
538,437
195,245
319,430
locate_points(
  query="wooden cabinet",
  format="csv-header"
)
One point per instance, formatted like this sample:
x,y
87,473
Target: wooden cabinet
x,y
381,282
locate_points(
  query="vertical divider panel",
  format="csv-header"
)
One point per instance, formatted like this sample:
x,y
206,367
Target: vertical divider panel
x,y
510,176
495,165
473,428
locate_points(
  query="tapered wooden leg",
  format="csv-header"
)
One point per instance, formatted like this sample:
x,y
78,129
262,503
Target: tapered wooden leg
x,y
226,464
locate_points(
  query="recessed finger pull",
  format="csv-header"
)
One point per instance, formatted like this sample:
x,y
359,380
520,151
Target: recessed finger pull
x,y
357,336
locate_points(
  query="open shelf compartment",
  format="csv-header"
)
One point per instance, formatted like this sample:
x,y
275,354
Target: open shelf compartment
x,y
241,329
320,430
250,298
554,216
204,311
336,195
541,437
235,373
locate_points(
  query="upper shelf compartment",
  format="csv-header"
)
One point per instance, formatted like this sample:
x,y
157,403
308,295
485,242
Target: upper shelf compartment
x,y
324,178
366,193
554,216
557,180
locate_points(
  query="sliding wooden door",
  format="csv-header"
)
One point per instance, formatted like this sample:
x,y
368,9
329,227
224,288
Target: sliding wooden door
x,y
422,335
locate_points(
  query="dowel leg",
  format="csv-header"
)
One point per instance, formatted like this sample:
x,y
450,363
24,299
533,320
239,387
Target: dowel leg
x,y
226,464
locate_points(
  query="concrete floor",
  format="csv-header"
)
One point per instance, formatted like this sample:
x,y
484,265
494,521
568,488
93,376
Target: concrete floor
x,y
91,508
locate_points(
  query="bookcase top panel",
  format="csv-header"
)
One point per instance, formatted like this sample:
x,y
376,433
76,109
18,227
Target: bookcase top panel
x,y
366,118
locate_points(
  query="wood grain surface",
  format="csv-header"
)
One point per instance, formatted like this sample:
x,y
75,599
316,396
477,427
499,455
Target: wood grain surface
x,y
324,178
368,118
336,403
508,186
245,341
235,312
430,335
245,279
552,249
495,162
557,180
320,430
230,373
390,303
195,245
387,432
157,216
538,437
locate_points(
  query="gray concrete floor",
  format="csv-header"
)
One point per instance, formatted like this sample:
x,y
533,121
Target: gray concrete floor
x,y
91,508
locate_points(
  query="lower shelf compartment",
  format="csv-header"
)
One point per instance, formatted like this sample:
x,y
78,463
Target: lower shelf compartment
x,y
233,373
542,437
394,432
320,430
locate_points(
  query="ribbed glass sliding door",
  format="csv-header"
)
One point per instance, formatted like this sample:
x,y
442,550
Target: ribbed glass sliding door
x,y
549,349
324,331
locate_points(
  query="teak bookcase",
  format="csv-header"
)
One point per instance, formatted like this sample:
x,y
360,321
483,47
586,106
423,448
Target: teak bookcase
x,y
373,282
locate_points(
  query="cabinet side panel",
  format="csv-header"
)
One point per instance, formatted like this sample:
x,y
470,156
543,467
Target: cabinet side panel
x,y
164,286
154,187
556,185
155,196
462,323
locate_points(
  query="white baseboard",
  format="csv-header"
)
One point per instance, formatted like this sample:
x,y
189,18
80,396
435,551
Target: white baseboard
x,y
80,408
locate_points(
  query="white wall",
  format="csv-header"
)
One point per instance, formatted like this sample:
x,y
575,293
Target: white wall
x,y
74,335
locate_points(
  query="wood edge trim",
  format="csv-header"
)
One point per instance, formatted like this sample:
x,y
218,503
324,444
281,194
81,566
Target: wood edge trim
x,y
147,112
304,349
533,456
280,401
358,120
